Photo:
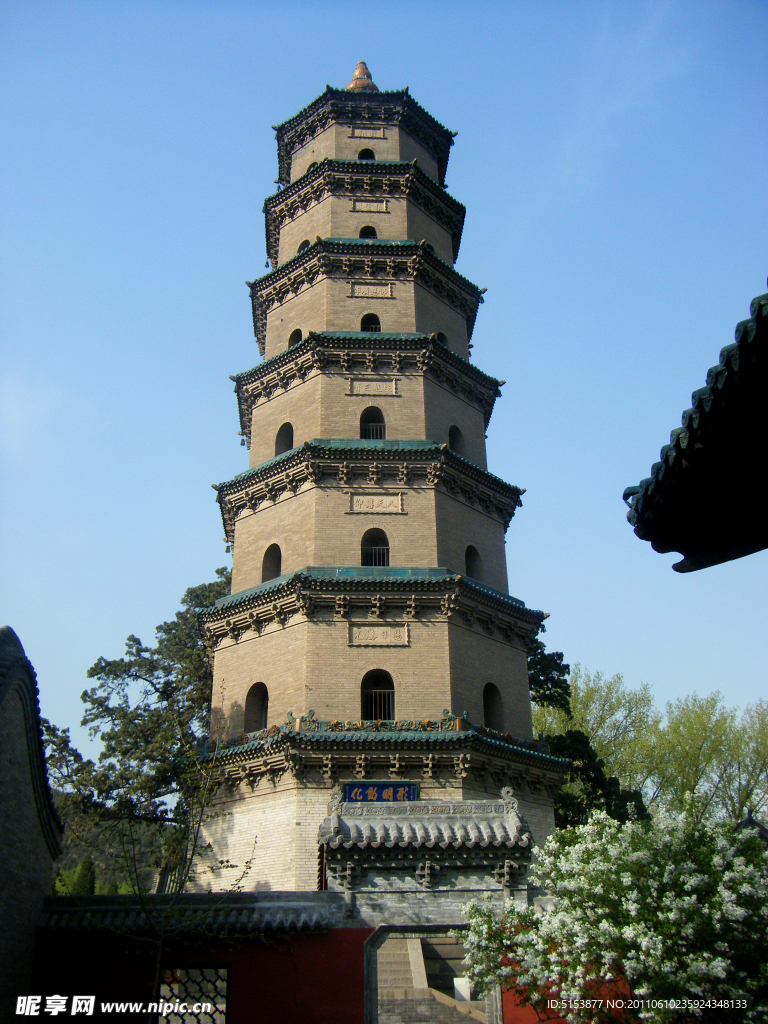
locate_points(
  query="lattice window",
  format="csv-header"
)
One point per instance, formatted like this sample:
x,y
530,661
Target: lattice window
x,y
196,995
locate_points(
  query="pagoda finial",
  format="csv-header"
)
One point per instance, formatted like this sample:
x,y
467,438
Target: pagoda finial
x,y
362,80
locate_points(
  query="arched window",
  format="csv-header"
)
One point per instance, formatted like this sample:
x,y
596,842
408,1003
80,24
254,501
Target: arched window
x,y
493,709
373,426
456,440
284,440
368,232
473,563
304,245
374,548
428,245
366,154
312,166
377,696
370,323
272,564
256,705
442,339
294,337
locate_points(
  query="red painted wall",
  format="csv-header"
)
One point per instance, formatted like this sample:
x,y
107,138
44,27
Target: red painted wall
x,y
292,979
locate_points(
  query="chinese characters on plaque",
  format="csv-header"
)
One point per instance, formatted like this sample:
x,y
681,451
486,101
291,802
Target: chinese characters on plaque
x,y
378,634
380,792
386,504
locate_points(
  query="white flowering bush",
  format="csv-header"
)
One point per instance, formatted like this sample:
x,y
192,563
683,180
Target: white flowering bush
x,y
673,911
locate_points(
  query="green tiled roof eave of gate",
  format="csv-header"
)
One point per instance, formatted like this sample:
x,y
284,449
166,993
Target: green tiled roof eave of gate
x,y
637,495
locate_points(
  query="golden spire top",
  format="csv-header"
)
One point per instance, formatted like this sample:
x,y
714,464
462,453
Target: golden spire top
x,y
362,80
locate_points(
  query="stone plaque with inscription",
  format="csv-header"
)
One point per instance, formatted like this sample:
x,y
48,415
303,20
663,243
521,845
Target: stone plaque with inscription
x,y
359,132
387,504
369,206
362,386
368,290
378,634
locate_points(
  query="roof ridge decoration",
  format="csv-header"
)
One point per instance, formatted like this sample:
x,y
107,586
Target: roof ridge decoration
x,y
724,418
393,465
384,107
393,259
395,179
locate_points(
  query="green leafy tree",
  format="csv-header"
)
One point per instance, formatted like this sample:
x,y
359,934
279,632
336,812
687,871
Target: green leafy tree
x,y
145,799
670,909
84,882
548,679
141,800
588,786
619,722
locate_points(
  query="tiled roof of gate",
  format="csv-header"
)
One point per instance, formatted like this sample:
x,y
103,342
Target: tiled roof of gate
x,y
231,913
413,825
719,426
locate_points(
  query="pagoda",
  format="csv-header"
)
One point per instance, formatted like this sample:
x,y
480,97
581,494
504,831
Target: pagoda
x,y
371,716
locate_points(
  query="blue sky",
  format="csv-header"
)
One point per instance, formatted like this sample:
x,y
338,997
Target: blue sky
x,y
612,158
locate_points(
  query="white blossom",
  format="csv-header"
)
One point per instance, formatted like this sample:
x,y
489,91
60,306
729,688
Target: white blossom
x,y
673,907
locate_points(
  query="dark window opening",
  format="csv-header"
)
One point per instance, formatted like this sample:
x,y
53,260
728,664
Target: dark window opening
x,y
312,166
272,565
442,339
256,708
304,245
373,426
456,440
473,563
371,323
284,440
374,548
368,232
294,337
377,696
366,154
428,245
493,709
